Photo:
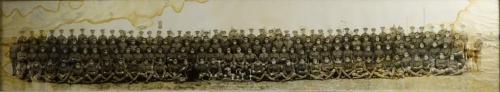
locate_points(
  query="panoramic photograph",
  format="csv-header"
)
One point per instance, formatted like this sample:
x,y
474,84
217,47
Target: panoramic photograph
x,y
249,45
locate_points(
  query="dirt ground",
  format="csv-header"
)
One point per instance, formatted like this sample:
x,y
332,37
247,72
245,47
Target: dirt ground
x,y
486,80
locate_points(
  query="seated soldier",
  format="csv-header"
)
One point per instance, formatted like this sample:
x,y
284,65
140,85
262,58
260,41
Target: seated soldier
x,y
289,70
417,66
440,65
302,70
360,69
202,67
215,69
315,68
274,71
338,68
327,68
258,71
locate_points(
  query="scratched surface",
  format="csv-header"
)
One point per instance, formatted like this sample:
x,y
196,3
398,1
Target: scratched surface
x,y
480,17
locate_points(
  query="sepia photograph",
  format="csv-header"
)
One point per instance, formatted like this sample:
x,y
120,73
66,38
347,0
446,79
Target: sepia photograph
x,y
249,45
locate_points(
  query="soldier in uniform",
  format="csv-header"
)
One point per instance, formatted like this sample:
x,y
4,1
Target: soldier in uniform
x,y
356,39
302,69
134,65
440,65
407,64
376,67
456,64
288,72
50,70
203,67
338,68
216,68
258,70
360,70
397,67
239,64
147,65
274,71
64,66
316,70
160,66
327,67
93,67
417,66
428,63
121,67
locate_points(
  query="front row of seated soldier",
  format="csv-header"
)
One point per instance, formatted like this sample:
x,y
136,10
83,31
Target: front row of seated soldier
x,y
75,64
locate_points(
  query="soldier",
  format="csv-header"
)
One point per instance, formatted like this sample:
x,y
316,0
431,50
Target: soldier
x,y
376,67
382,34
302,69
456,64
358,52
348,66
417,66
288,72
121,68
107,71
428,63
366,41
360,70
93,67
215,69
258,70
337,52
203,69
298,45
72,38
447,39
122,41
315,68
327,68
245,44
77,74
52,39
440,65
178,73
397,65
274,71
147,65
50,71
407,63
160,66
251,36
64,68
308,44
338,68
239,64
250,56
41,59
181,74
379,52
113,40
